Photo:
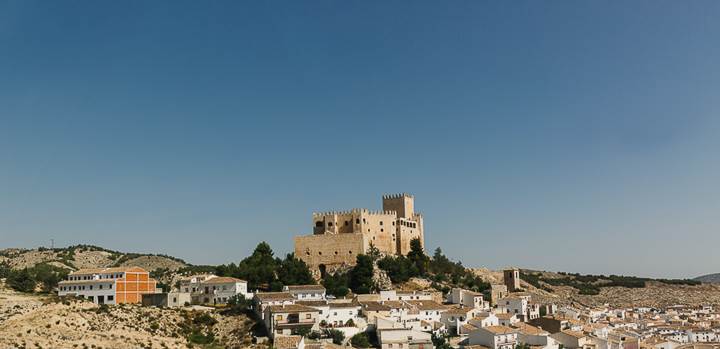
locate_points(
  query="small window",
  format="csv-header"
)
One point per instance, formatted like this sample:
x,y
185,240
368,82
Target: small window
x,y
357,220
329,224
110,298
381,223
308,316
320,253
381,230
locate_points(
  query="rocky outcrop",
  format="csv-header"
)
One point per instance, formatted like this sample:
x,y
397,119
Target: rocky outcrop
x,y
381,279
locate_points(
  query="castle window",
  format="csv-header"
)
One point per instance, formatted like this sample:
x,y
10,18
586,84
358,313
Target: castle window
x,y
329,224
336,252
350,252
320,253
307,253
319,224
381,230
363,220
357,220
393,223
380,222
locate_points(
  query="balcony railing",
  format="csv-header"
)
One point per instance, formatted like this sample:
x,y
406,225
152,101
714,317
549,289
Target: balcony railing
x,y
293,323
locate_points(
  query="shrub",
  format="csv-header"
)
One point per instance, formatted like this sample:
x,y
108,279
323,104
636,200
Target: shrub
x,y
337,336
360,340
21,280
198,337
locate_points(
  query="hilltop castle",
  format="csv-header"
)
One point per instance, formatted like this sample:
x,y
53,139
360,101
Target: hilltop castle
x,y
338,237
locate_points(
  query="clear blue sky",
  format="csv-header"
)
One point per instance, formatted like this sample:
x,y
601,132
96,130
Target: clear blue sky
x,y
559,135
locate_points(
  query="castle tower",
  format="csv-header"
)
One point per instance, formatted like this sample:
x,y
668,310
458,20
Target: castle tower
x,y
512,279
403,204
339,236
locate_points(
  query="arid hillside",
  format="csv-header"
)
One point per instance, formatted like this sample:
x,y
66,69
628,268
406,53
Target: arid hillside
x,y
86,256
710,278
654,293
34,321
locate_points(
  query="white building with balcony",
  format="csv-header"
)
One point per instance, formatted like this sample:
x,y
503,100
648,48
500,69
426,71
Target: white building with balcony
x,y
494,337
306,292
219,290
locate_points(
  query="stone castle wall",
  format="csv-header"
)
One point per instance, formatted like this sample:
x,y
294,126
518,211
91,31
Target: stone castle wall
x,y
407,231
329,249
338,237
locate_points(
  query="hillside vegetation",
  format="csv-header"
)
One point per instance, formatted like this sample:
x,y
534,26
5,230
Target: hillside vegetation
x,y
710,278
86,256
40,321
591,284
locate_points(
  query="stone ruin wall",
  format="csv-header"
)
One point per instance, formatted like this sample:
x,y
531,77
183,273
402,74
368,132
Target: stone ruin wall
x,y
334,251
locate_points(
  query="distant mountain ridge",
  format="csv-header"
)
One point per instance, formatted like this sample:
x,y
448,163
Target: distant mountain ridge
x,y
709,278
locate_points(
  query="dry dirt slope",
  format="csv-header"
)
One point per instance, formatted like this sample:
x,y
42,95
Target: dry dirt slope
x,y
86,256
654,294
32,321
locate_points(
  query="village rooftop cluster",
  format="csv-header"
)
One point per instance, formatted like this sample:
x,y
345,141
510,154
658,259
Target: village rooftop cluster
x,y
506,317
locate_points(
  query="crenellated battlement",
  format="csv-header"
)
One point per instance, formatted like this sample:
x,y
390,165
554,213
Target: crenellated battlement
x,y
339,236
331,213
353,212
397,196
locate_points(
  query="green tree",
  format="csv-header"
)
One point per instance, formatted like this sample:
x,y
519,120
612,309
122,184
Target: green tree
x,y
4,270
439,342
361,275
48,275
294,271
337,284
418,258
360,340
238,304
440,264
302,331
21,280
399,268
337,336
373,252
258,269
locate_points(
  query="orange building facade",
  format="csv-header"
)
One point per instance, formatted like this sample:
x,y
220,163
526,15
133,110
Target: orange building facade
x,y
109,285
